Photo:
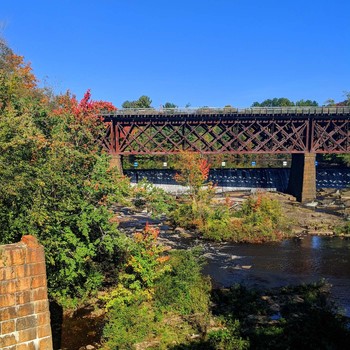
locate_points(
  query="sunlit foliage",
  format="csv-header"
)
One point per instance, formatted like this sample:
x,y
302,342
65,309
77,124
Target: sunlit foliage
x,y
55,182
160,298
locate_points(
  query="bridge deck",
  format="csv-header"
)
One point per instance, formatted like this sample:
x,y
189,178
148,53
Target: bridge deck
x,y
240,113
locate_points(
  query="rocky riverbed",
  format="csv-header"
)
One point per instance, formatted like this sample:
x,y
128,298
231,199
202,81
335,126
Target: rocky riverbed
x,y
330,209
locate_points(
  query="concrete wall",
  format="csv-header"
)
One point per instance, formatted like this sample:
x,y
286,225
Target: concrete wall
x,y
24,306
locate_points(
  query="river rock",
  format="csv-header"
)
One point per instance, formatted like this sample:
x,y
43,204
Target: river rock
x,y
179,230
328,201
275,308
312,204
298,299
246,267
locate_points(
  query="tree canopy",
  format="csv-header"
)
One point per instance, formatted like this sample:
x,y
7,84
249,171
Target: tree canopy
x,y
284,102
55,181
143,102
170,105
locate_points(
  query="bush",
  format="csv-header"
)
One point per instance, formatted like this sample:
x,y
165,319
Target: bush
x,y
128,325
152,198
343,229
158,298
228,338
260,219
183,288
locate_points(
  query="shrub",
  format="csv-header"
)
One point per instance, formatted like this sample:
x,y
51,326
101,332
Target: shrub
x,y
183,288
158,298
260,219
154,199
343,229
228,338
128,325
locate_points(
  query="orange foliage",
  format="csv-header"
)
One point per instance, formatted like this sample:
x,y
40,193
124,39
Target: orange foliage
x,y
257,203
22,70
83,116
194,170
163,259
148,234
204,168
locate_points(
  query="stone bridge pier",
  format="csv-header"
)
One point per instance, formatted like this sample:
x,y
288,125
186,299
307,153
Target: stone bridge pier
x,y
302,179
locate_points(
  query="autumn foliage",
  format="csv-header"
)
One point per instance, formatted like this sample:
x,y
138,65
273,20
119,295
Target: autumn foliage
x,y
193,171
83,118
56,184
84,109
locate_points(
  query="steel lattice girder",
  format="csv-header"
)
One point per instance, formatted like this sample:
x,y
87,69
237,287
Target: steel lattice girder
x,y
208,137
330,136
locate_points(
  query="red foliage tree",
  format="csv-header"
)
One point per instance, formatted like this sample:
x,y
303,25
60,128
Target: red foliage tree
x,y
83,116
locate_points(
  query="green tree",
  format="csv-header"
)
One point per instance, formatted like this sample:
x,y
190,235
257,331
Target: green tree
x,y
330,102
306,103
169,105
347,95
54,181
275,102
143,102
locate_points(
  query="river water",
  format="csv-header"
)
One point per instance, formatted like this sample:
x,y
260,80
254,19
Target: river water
x,y
270,265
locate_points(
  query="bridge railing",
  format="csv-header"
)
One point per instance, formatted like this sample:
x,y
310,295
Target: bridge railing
x,y
295,110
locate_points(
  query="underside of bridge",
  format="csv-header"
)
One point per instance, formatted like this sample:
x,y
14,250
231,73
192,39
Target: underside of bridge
x,y
302,132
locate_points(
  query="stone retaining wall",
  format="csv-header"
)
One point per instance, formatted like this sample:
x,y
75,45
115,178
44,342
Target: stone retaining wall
x,y
24,306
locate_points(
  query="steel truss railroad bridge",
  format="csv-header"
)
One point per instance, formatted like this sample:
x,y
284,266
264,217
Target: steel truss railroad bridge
x,y
300,131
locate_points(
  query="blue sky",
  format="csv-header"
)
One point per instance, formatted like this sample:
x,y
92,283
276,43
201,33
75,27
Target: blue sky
x,y
206,53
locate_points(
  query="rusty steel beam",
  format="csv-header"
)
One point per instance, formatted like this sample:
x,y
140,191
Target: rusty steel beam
x,y
291,130
331,136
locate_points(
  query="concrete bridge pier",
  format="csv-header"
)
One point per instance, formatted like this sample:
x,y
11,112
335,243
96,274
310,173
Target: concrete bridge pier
x,y
302,178
116,162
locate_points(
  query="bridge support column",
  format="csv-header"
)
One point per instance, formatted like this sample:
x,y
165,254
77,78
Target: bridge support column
x,y
302,178
116,162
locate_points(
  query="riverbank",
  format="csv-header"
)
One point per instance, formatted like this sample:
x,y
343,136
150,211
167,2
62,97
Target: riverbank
x,y
294,317
277,318
226,261
320,217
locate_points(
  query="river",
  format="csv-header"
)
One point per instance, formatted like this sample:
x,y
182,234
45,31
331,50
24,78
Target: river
x,y
289,262
268,265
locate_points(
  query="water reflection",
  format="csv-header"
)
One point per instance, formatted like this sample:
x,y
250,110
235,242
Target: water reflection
x,y
316,242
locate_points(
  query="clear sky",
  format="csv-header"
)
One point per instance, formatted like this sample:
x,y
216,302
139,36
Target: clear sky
x,y
202,52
